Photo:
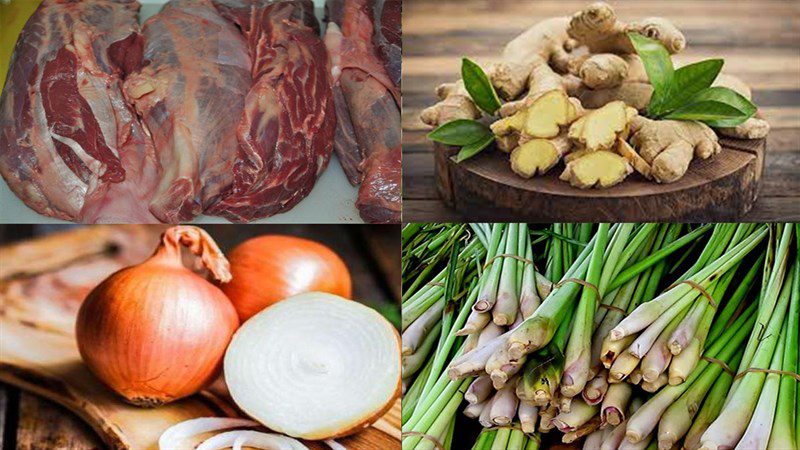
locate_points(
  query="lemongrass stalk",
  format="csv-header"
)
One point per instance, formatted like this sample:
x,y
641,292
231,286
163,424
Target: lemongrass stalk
x,y
413,362
709,411
485,419
417,332
725,317
580,412
546,416
585,429
474,362
658,383
491,280
729,427
596,388
644,444
479,390
622,366
610,259
501,439
413,304
783,433
501,368
489,333
615,403
635,376
644,421
516,440
564,404
649,312
666,322
538,330
613,439
683,364
658,256
476,321
658,357
470,343
769,298
610,350
523,244
547,384
594,440
429,407
435,421
625,251
504,406
414,392
529,298
578,355
507,305
544,287
528,413
677,419
534,442
484,440
474,410
758,431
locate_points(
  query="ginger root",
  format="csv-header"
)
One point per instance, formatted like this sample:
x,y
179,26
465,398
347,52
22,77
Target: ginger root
x,y
600,128
639,164
543,119
598,28
455,104
600,169
670,145
537,156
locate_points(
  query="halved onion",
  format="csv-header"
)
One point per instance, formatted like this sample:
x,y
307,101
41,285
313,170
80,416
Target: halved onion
x,y
176,434
315,366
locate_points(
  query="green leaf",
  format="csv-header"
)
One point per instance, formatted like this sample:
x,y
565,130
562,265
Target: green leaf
x,y
479,87
706,110
468,151
690,80
729,97
658,65
459,132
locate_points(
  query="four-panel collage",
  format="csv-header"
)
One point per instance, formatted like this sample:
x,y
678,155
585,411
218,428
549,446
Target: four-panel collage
x,y
400,224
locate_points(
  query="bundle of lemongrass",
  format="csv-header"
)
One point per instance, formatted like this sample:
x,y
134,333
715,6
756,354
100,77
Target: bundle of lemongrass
x,y
653,335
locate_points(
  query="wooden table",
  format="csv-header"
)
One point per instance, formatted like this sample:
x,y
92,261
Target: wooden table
x,y
371,252
759,40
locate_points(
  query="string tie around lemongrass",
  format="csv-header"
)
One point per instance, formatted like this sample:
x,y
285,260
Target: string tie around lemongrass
x,y
702,290
438,445
581,282
613,308
720,363
768,371
508,255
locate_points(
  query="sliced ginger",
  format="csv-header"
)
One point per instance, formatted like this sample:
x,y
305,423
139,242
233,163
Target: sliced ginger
x,y
537,156
633,157
600,169
599,129
543,119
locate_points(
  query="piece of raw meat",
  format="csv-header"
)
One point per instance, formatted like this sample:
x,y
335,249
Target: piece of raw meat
x,y
370,114
287,129
388,38
70,146
190,93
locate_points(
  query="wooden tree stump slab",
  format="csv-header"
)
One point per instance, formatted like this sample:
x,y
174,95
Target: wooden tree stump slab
x,y
722,188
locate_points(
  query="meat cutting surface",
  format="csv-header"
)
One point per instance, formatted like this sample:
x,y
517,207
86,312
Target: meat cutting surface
x,y
72,147
190,93
286,132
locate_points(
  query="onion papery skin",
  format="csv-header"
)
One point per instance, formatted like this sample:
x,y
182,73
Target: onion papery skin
x,y
315,366
155,332
270,268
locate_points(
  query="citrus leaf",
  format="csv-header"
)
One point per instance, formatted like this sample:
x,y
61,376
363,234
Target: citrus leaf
x,y
706,110
658,65
729,97
459,132
690,80
479,87
470,150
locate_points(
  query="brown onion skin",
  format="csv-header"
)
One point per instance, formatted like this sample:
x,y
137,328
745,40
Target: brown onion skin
x,y
155,332
270,268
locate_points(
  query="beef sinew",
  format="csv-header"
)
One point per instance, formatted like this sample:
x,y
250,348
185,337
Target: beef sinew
x,y
286,131
72,148
190,93
368,102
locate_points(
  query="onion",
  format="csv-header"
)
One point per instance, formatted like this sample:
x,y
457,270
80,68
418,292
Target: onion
x,y
176,434
315,366
268,269
157,332
253,439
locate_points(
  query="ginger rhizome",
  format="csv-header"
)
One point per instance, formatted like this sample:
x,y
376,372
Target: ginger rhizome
x,y
600,169
668,146
600,128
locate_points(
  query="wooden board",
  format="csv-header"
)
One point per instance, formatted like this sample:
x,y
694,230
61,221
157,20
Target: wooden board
x,y
38,351
722,188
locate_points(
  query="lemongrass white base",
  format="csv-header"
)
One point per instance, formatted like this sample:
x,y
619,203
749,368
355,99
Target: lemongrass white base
x,y
314,366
